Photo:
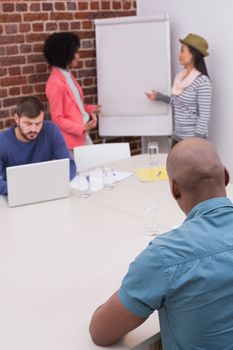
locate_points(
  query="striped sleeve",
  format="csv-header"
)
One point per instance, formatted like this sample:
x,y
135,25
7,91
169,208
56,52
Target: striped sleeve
x,y
162,97
204,97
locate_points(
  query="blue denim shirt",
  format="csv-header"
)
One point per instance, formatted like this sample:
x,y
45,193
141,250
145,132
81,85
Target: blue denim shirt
x,y
187,275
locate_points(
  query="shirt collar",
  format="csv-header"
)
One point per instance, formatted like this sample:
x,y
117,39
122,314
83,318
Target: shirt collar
x,y
208,205
66,73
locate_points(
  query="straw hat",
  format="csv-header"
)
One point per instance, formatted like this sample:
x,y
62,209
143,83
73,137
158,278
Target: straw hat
x,y
197,42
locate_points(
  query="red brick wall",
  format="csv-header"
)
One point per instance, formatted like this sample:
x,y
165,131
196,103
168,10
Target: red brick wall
x,y
24,25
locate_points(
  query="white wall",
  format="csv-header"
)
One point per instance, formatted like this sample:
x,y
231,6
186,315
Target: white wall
x,y
214,21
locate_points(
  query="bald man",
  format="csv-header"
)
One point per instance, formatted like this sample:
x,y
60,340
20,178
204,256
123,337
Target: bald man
x,y
186,274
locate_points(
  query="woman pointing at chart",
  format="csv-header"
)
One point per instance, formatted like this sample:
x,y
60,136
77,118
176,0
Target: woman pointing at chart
x,y
191,91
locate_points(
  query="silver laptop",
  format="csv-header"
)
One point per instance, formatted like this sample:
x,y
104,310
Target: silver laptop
x,y
38,182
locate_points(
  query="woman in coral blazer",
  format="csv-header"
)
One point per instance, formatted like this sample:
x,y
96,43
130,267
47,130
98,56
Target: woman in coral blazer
x,y
68,110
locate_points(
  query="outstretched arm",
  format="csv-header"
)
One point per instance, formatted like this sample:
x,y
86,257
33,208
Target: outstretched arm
x,y
157,96
111,321
151,95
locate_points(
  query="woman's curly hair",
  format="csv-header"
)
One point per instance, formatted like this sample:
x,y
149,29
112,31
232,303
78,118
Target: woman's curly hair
x,y
60,48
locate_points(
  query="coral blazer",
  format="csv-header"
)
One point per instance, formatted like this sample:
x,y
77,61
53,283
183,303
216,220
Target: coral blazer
x,y
64,109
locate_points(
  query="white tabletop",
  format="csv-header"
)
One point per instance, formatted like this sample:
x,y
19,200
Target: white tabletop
x,y
129,195
59,260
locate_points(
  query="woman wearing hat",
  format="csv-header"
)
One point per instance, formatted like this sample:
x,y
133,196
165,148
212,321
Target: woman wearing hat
x,y
191,91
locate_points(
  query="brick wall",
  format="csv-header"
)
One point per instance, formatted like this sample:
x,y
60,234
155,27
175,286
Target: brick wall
x,y
24,25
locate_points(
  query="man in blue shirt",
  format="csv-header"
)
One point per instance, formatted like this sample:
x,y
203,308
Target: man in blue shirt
x,y
32,140
187,273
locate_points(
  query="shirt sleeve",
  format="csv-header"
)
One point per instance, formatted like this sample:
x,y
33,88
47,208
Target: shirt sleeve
x,y
61,151
204,98
89,108
143,288
162,97
3,183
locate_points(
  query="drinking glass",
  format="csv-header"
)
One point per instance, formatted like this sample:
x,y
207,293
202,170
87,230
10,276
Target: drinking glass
x,y
108,178
151,218
153,150
84,184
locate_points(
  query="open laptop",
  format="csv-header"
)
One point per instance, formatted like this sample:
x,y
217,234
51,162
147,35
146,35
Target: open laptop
x,y
38,182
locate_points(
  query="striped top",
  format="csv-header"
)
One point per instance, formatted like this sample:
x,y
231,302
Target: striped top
x,y
191,109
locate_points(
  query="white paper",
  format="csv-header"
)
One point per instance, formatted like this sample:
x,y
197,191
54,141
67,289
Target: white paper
x,y
96,179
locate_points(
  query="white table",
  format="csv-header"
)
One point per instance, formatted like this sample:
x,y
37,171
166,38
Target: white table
x,y
59,260
129,195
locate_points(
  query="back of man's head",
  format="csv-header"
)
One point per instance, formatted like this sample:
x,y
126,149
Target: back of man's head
x,y
196,172
29,106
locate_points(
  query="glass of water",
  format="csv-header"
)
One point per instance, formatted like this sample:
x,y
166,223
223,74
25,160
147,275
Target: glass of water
x,y
84,184
153,150
108,178
151,218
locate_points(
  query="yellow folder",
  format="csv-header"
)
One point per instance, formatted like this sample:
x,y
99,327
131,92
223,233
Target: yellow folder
x,y
152,174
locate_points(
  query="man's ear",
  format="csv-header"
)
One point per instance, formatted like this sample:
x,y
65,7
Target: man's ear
x,y
227,176
16,117
175,189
